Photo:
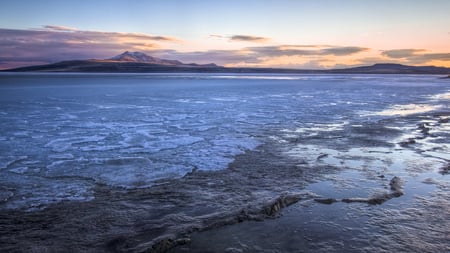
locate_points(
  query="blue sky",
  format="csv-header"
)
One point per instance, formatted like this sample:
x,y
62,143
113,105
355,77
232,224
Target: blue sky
x,y
419,29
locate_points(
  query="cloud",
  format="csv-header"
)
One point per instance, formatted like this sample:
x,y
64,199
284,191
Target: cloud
x,y
240,38
401,53
60,28
58,43
372,60
302,50
216,36
263,55
248,38
276,51
342,51
220,57
424,58
302,56
415,56
52,43
305,46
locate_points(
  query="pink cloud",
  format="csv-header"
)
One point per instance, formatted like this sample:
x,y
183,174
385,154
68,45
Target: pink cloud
x,y
58,43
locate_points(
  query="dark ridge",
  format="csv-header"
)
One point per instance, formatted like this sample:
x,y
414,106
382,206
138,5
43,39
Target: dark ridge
x,y
138,62
391,68
92,66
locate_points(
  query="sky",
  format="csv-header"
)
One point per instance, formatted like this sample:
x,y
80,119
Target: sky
x,y
314,34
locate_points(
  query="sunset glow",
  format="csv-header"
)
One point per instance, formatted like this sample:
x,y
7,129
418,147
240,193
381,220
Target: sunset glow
x,y
287,34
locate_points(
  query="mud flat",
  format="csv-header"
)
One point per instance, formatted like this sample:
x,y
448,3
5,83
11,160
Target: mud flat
x,y
386,199
161,217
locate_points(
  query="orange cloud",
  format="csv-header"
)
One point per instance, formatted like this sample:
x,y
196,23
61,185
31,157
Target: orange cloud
x,y
418,56
241,38
54,43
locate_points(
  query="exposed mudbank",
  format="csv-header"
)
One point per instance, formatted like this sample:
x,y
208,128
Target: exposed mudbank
x,y
270,210
371,200
396,185
161,217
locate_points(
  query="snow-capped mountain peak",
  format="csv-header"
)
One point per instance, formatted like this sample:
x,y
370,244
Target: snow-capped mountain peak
x,y
141,57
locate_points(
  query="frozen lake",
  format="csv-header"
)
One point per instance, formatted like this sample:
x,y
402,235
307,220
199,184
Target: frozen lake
x,y
64,135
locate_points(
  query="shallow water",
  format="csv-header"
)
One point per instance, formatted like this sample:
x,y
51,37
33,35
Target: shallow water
x,y
141,158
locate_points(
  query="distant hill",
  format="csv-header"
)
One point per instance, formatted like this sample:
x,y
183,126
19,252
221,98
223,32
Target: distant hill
x,y
137,62
143,58
102,66
127,62
391,68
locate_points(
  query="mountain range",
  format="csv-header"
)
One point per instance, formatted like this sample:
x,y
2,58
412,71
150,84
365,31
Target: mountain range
x,y
137,62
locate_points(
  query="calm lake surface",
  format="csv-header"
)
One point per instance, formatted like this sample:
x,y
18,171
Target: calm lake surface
x,y
175,152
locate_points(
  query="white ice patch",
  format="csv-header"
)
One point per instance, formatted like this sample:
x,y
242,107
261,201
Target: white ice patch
x,y
128,172
65,144
225,99
21,134
404,110
363,158
163,142
103,148
129,176
442,96
61,156
221,153
314,128
185,100
19,170
67,116
176,117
